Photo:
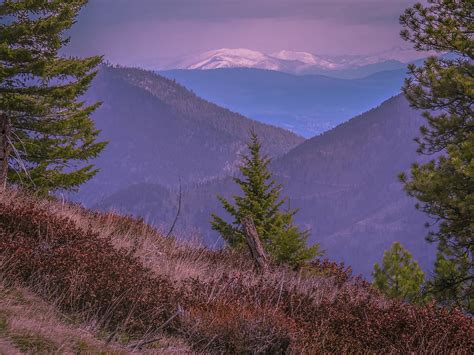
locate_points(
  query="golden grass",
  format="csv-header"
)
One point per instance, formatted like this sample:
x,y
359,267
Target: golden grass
x,y
30,325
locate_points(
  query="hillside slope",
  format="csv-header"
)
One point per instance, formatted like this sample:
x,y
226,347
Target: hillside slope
x,y
344,182
149,294
159,132
29,325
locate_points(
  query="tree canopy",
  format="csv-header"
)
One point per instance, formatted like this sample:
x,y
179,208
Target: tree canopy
x,y
48,135
444,88
399,276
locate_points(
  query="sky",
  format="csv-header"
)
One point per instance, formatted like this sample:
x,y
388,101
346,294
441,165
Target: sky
x,y
151,33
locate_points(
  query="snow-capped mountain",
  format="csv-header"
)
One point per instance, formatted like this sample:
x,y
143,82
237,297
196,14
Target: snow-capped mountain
x,y
286,61
231,58
290,61
306,58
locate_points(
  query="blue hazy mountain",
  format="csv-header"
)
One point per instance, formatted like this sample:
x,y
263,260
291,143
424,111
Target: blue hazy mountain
x,y
305,104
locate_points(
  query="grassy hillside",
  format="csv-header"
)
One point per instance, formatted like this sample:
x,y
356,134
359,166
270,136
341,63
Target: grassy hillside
x,y
140,290
29,324
159,132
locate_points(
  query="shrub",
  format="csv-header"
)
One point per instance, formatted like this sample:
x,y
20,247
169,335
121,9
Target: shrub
x,y
85,270
235,328
226,308
352,317
339,273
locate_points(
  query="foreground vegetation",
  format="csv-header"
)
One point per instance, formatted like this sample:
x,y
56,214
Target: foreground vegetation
x,y
29,324
138,288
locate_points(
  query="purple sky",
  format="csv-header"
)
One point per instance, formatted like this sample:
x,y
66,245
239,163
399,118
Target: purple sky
x,y
151,32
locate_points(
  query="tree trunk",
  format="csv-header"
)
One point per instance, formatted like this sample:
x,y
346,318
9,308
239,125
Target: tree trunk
x,y
254,244
5,147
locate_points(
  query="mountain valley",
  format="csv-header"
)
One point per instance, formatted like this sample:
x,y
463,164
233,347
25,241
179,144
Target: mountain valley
x,y
305,104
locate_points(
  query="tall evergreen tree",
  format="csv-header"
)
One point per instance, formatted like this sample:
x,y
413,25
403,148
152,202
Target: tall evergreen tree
x,y
399,276
46,133
444,88
282,240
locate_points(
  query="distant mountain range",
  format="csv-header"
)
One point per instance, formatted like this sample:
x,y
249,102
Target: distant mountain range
x,y
344,182
305,104
348,66
159,132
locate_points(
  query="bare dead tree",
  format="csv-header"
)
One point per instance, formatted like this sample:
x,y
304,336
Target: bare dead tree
x,y
177,212
5,148
255,245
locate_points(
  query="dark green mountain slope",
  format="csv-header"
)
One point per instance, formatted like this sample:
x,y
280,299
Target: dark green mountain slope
x,y
159,132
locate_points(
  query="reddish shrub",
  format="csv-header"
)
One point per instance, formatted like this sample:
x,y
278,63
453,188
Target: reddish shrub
x,y
237,312
326,268
355,319
369,324
230,327
88,273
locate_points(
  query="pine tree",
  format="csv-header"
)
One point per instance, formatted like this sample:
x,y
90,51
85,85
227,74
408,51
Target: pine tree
x,y
400,276
445,285
46,133
444,88
282,240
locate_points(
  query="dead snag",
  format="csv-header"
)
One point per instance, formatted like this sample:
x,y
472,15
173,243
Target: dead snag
x,y
5,147
253,241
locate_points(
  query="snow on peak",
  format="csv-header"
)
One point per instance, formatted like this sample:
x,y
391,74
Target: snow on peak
x,y
289,61
231,58
303,57
246,58
307,58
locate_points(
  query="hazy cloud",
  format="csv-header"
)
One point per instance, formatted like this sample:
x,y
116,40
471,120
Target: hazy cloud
x,y
151,31
362,11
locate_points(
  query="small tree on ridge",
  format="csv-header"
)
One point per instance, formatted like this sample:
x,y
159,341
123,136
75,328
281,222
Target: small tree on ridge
x,y
282,240
399,276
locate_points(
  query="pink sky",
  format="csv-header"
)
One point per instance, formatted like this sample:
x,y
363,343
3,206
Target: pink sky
x,y
150,32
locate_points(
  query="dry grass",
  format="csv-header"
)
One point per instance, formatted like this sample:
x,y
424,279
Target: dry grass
x,y
213,300
28,324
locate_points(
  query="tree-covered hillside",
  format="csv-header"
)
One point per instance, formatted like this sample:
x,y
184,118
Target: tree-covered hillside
x,y
159,132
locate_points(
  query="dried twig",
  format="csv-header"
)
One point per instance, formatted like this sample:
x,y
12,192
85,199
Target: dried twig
x,y
178,212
